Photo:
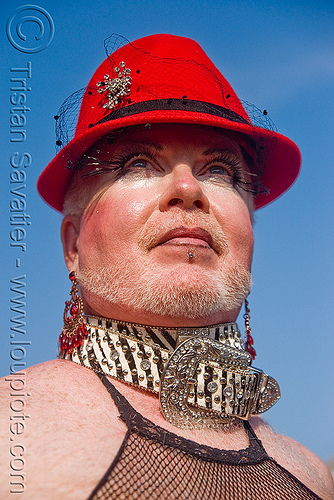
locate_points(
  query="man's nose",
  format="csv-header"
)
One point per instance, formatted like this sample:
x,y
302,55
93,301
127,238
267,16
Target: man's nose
x,y
184,190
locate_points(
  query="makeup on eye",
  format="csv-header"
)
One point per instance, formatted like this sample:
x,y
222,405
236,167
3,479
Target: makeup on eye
x,y
140,160
121,163
226,167
219,165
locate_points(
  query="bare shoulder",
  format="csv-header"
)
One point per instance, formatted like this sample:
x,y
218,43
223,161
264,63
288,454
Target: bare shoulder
x,y
56,382
51,374
297,459
58,420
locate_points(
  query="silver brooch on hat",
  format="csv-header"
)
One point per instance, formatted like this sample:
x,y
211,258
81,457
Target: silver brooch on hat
x,y
116,88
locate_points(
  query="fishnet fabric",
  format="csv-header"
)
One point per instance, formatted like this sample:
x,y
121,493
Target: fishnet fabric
x,y
155,464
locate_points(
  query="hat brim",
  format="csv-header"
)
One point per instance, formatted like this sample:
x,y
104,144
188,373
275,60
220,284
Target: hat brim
x,y
281,168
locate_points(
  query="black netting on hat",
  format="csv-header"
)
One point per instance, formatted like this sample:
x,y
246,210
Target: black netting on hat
x,y
67,117
173,77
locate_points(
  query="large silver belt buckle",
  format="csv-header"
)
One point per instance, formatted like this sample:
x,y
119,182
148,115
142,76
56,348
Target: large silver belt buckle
x,y
205,381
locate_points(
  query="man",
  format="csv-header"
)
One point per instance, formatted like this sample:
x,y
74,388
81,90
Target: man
x,y
158,189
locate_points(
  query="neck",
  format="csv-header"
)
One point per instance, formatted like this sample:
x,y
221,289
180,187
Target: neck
x,y
146,318
169,337
202,374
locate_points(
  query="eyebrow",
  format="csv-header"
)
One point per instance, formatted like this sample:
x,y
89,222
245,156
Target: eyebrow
x,y
211,151
159,147
154,145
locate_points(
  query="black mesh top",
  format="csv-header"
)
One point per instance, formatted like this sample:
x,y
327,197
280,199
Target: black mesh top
x,y
155,464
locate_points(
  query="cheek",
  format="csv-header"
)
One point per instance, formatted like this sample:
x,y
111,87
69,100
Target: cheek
x,y
246,246
90,243
241,243
234,218
121,216
110,225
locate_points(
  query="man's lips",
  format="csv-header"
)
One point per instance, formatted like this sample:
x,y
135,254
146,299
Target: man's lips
x,y
187,236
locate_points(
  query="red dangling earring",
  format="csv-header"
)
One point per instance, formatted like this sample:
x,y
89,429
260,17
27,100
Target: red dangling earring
x,y
74,330
248,334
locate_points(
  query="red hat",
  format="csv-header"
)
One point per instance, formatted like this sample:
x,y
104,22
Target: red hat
x,y
167,79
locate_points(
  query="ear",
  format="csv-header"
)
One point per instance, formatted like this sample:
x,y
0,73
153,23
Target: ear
x,y
70,230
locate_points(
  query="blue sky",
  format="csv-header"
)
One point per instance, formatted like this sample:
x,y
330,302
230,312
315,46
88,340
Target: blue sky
x,y
278,56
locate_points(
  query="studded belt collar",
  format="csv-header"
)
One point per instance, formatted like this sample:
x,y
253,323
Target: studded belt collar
x,y
201,374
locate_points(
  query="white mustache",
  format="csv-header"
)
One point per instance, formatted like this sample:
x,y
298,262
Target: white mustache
x,y
156,229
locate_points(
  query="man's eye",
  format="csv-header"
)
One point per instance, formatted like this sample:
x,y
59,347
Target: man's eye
x,y
140,163
219,170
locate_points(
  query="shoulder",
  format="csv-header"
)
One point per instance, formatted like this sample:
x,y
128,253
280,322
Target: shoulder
x,y
54,389
297,459
57,420
58,382
44,372
55,371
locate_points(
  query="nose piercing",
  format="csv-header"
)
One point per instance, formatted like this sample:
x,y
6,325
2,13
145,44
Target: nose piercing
x,y
190,255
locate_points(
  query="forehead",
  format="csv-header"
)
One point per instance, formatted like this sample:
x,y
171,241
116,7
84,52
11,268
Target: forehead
x,y
163,137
